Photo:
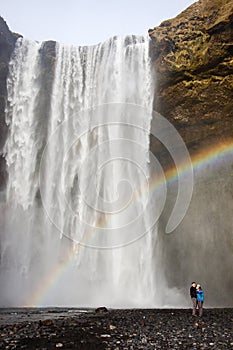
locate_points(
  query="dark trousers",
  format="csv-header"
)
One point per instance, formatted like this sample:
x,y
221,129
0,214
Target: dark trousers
x,y
194,301
200,308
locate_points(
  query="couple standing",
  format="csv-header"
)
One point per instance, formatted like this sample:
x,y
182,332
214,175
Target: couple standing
x,y
197,296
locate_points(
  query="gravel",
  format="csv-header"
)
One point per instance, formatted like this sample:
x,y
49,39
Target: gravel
x,y
131,329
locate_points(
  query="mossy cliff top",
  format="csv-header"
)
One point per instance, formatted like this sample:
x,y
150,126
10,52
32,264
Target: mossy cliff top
x,y
197,40
192,56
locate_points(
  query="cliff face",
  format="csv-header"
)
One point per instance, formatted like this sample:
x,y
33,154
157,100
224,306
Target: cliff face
x,y
7,43
192,56
193,59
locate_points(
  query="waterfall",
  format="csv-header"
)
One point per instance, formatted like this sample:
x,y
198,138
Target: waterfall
x,y
79,216
78,227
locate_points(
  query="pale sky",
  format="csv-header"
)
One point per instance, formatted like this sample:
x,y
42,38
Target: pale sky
x,y
86,22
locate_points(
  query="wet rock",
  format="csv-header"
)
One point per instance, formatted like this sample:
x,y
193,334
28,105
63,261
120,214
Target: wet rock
x,y
101,309
7,43
105,335
112,327
46,322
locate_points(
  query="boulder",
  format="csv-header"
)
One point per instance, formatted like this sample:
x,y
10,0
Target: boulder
x,y
101,310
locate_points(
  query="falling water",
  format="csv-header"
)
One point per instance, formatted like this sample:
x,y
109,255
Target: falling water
x,y
78,225
78,219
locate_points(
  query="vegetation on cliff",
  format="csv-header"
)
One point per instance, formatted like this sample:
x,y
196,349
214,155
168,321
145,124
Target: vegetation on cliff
x,y
192,55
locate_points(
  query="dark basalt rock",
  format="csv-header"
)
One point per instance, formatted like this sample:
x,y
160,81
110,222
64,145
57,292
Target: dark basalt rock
x,y
101,309
192,56
48,53
160,329
7,43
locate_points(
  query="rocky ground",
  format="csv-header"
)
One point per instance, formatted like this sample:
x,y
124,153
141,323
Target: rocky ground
x,y
117,329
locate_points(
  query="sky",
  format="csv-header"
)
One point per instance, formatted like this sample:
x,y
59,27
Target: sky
x,y
86,22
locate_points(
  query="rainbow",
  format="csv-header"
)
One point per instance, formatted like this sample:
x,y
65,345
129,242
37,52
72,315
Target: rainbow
x,y
211,155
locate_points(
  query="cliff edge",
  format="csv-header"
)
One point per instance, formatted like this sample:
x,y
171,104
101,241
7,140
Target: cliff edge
x,y
7,44
192,56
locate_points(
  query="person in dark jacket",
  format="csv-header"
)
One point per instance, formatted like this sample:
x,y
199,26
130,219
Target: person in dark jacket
x,y
193,294
200,299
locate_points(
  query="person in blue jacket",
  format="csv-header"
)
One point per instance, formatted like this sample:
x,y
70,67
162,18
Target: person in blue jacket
x,y
200,299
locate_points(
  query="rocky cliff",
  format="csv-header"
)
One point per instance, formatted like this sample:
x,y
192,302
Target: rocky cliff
x,y
7,43
192,56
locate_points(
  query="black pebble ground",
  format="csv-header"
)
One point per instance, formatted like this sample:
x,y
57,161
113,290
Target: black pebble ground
x,y
123,329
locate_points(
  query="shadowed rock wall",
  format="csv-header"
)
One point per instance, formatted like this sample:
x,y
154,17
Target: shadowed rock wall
x,y
7,44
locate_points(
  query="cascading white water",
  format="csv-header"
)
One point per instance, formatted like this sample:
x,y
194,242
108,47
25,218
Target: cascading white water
x,y
73,211
78,221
